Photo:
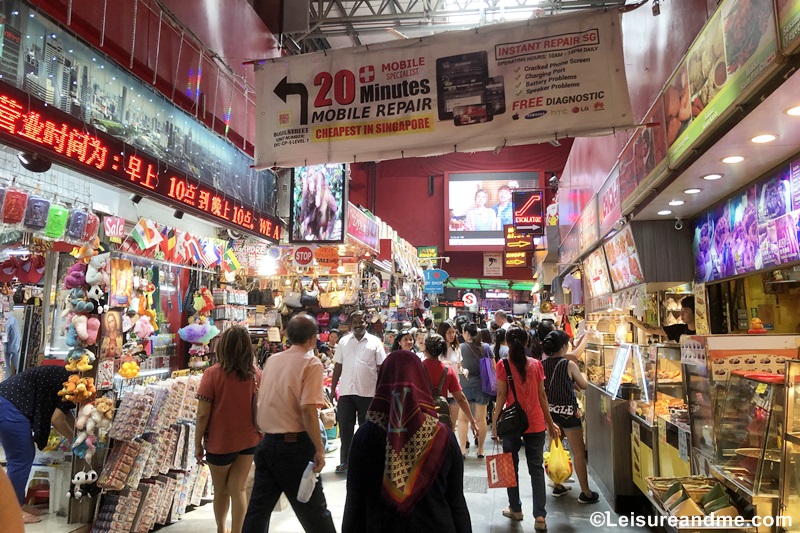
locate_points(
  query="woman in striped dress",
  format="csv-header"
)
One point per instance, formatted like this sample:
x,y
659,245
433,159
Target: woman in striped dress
x,y
561,377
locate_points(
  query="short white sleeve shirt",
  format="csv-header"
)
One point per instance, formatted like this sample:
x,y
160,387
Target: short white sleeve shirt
x,y
360,361
506,326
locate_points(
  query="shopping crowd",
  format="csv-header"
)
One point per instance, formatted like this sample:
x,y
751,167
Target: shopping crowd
x,y
407,420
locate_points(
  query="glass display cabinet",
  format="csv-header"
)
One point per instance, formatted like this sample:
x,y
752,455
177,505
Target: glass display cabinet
x,y
700,394
595,364
748,433
790,484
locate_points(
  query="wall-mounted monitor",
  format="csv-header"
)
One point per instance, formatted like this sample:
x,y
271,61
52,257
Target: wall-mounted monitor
x,y
479,204
318,200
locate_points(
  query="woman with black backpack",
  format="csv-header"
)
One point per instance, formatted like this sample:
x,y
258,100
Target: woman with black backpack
x,y
443,379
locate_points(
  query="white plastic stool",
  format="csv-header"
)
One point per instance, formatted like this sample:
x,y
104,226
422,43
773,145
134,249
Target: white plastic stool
x,y
52,475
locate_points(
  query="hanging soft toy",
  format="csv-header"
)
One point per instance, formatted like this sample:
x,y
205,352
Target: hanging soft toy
x,y
76,276
80,484
98,297
144,327
129,369
80,360
77,389
93,418
201,328
96,273
203,301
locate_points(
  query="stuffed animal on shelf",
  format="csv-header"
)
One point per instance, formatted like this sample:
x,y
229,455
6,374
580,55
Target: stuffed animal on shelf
x,y
96,270
79,484
93,418
76,276
143,328
72,336
98,297
77,389
80,360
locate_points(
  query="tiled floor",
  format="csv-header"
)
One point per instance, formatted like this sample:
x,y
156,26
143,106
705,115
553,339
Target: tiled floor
x,y
565,515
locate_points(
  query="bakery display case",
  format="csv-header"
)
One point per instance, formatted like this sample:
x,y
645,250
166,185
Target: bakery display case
x,y
700,393
790,480
748,433
658,376
595,364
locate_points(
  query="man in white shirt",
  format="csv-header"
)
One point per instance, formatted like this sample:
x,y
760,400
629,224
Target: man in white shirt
x,y
357,361
501,319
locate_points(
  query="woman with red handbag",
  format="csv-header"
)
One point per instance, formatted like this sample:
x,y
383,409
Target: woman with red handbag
x,y
520,385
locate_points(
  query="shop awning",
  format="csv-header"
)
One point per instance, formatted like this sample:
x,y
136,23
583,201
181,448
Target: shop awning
x,y
475,283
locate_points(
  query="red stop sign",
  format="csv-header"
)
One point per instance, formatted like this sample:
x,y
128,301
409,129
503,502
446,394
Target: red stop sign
x,y
303,255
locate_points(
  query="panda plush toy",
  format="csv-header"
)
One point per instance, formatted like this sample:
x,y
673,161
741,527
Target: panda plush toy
x,y
79,480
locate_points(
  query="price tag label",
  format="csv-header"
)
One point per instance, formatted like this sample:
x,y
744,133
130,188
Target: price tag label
x,y
261,309
662,430
761,389
683,444
637,431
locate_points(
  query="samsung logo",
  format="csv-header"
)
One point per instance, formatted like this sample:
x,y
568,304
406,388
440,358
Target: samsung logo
x,y
536,114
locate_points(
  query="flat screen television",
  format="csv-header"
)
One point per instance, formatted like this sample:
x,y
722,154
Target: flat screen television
x,y
318,200
479,204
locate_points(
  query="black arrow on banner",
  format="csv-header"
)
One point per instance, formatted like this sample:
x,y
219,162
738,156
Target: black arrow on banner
x,y
284,89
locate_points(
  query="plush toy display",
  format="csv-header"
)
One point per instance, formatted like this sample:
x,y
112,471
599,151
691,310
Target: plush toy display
x,y
93,418
200,328
79,482
143,328
80,360
129,369
77,389
98,297
96,271
76,276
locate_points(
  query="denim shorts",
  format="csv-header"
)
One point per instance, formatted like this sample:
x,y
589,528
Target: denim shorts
x,y
225,459
476,395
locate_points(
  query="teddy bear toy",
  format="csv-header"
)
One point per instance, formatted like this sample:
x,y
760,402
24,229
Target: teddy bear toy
x,y
98,297
96,270
79,480
143,328
80,360
76,276
77,389
129,369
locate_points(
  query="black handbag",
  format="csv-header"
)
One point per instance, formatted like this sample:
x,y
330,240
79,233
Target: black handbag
x,y
513,421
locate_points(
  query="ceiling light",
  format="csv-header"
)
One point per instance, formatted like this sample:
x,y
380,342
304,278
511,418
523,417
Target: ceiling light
x,y
733,159
677,202
793,111
693,191
712,177
761,139
665,212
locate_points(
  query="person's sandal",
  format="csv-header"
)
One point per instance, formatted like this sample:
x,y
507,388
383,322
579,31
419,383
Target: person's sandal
x,y
341,469
540,525
508,513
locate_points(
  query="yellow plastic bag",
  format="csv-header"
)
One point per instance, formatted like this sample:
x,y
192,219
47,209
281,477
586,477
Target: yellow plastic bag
x,y
557,462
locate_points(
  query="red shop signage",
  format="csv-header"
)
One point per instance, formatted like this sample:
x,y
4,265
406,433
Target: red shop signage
x,y
29,124
362,229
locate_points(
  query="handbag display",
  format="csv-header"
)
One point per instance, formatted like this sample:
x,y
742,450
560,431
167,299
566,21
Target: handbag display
x,y
350,293
310,297
292,298
513,421
324,320
330,298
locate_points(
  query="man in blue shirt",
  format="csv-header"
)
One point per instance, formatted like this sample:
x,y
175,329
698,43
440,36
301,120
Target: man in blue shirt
x,y
504,209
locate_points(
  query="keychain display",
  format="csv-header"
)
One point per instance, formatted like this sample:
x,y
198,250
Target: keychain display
x,y
56,221
92,227
36,213
77,224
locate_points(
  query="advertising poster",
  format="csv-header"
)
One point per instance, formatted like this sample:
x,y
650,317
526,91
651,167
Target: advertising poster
x,y
478,205
498,85
587,223
722,245
608,201
493,264
703,233
111,329
735,48
596,273
744,236
623,260
121,283
318,200
628,177
777,217
789,24
649,153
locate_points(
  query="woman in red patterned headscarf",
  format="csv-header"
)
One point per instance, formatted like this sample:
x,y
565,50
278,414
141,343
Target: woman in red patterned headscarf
x,y
405,471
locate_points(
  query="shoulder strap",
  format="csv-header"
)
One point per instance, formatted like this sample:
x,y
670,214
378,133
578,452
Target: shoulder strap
x,y
428,379
445,370
507,365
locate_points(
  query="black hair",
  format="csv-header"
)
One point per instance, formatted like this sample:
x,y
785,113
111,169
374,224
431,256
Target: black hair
x,y
442,330
486,336
301,329
517,338
544,328
428,322
555,341
472,329
499,339
688,303
402,333
435,345
338,333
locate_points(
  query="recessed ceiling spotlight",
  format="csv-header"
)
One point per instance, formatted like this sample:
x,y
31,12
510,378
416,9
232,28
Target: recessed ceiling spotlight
x,y
761,139
712,177
665,212
677,202
733,159
793,111
693,191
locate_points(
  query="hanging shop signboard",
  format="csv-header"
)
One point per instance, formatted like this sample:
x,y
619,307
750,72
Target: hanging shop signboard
x,y
498,85
427,252
623,260
517,259
492,264
529,211
302,256
588,229
518,241
29,124
327,256
434,280
723,67
608,203
596,273
362,229
114,228
450,303
789,25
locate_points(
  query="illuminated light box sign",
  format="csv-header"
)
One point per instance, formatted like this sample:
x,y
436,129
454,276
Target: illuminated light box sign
x,y
517,259
529,211
32,125
518,241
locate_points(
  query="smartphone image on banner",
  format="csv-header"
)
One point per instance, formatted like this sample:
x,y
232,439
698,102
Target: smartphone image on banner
x,y
465,115
461,81
496,95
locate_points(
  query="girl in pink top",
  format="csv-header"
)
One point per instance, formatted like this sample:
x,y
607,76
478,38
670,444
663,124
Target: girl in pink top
x,y
528,380
226,436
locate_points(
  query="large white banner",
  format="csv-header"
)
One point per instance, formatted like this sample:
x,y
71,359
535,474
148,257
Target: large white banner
x,y
472,90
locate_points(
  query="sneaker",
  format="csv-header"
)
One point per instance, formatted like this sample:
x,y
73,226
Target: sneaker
x,y
341,469
330,448
594,498
508,513
560,491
